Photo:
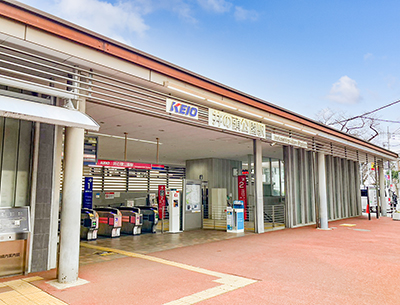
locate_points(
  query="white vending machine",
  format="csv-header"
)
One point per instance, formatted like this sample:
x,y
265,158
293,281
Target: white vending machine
x,y
174,211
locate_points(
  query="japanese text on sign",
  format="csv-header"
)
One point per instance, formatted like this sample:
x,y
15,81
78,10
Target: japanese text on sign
x,y
231,122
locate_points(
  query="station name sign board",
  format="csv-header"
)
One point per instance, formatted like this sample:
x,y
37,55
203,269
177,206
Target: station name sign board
x,y
235,123
179,108
287,140
125,164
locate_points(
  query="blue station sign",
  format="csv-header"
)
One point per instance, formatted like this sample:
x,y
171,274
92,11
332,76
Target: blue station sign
x,y
179,108
87,200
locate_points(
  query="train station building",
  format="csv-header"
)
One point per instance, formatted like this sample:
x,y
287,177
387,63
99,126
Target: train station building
x,y
78,107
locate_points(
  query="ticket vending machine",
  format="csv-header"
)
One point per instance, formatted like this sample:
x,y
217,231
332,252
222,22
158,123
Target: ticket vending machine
x,y
174,211
14,240
235,217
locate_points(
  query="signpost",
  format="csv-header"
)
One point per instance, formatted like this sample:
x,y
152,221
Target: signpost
x,y
90,150
88,193
161,204
242,193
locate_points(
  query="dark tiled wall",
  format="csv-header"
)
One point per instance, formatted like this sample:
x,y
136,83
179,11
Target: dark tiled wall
x,y
41,231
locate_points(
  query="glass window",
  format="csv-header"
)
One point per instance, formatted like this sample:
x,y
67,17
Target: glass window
x,y
266,177
23,171
282,179
275,176
15,148
9,168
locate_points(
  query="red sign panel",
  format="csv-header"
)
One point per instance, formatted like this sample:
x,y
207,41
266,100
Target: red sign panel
x,y
161,201
124,164
242,192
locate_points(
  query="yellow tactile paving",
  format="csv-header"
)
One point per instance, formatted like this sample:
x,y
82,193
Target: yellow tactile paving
x,y
19,300
24,293
22,287
229,282
9,294
32,279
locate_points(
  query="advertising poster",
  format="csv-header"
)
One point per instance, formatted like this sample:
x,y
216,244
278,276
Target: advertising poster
x,y
161,201
242,192
193,198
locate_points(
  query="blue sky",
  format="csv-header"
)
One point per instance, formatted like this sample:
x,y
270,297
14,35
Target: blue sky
x,y
305,56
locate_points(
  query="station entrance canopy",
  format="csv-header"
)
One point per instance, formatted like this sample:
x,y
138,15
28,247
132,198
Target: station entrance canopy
x,y
32,111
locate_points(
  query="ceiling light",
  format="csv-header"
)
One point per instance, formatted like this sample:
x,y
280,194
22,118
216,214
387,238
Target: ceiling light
x,y
123,138
223,105
273,121
310,132
186,92
294,127
249,113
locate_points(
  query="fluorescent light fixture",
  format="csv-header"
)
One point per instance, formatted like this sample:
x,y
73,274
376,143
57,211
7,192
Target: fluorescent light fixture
x,y
273,121
294,127
249,113
310,132
186,92
223,105
123,138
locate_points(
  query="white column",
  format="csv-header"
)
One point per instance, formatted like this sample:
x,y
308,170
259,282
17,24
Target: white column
x,y
259,199
55,205
382,188
68,263
35,162
250,192
323,199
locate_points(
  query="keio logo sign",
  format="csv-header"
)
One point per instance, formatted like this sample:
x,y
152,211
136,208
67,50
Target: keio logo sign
x,y
183,109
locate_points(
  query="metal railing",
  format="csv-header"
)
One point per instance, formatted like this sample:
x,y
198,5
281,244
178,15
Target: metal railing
x,y
274,216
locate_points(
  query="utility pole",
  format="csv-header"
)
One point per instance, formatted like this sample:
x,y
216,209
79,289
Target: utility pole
x,y
389,166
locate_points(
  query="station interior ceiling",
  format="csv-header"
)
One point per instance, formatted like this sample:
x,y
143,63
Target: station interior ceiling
x,y
178,142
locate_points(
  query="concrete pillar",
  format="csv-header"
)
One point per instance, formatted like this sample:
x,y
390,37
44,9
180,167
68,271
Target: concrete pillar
x,y
55,205
258,197
323,198
382,198
68,263
250,192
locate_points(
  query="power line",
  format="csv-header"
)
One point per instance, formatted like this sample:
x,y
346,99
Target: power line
x,y
380,120
369,112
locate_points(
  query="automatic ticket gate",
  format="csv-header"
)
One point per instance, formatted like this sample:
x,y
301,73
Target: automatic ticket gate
x,y
150,219
14,240
89,224
132,220
110,222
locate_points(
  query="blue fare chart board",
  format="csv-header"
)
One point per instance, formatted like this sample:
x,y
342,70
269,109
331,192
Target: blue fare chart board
x,y
90,150
87,200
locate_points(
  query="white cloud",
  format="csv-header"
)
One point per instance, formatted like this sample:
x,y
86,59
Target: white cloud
x,y
183,10
242,14
218,6
115,20
118,20
345,91
392,81
368,56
